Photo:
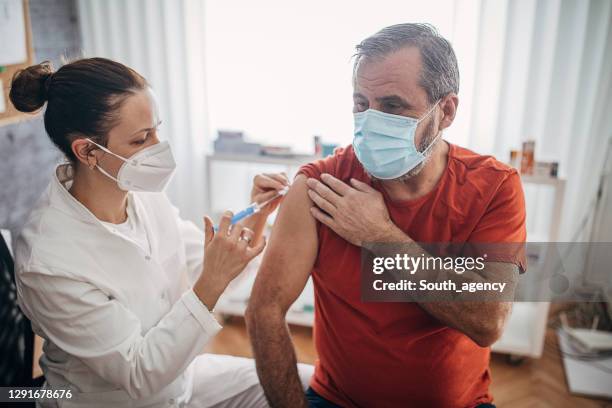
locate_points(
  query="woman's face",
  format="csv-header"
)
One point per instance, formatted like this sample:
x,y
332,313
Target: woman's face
x,y
136,130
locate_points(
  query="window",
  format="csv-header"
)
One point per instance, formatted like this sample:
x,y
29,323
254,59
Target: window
x,y
281,71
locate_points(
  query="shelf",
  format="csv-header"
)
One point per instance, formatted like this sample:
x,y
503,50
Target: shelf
x,y
542,180
295,160
520,337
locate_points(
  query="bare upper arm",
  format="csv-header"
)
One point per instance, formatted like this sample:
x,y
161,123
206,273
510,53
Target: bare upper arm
x,y
291,251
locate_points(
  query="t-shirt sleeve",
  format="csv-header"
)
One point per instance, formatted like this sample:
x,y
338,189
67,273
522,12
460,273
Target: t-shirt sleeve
x,y
502,226
316,168
338,165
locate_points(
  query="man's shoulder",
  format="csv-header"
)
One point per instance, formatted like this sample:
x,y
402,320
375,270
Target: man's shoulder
x,y
342,164
471,166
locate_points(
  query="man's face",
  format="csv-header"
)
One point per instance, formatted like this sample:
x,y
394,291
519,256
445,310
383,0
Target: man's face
x,y
390,84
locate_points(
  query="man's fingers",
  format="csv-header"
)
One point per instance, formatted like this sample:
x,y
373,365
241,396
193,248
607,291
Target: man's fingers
x,y
321,202
209,231
336,185
324,191
322,217
224,224
361,186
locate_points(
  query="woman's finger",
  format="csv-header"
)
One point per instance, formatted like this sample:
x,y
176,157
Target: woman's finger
x,y
209,230
265,182
224,224
246,236
280,177
235,232
252,252
266,196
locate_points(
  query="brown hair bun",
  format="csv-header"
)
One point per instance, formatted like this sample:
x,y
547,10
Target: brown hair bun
x,y
29,87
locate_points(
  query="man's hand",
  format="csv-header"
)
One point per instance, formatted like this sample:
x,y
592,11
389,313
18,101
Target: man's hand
x,y
357,213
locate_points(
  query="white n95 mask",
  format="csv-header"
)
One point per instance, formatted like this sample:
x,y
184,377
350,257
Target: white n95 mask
x,y
384,143
148,170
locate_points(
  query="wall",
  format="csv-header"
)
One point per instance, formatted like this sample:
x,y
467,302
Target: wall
x,y
27,156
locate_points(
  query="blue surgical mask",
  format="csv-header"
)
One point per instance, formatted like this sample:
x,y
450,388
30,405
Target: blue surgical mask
x,y
384,143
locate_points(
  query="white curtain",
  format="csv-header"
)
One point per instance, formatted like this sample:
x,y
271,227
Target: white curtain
x,y
542,70
531,69
164,41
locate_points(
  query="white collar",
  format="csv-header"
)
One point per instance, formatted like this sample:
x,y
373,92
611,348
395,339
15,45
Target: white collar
x,y
65,202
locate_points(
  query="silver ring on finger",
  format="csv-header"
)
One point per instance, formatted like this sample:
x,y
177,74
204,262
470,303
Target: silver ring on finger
x,y
246,235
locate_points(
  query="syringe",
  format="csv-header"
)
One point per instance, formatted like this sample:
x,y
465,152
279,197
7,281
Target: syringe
x,y
254,208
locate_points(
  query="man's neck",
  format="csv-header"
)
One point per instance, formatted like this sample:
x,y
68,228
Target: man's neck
x,y
100,195
425,181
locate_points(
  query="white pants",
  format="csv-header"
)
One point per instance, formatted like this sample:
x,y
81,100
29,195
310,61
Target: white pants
x,y
220,381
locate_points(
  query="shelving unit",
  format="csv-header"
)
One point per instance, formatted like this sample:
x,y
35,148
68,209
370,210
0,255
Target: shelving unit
x,y
287,164
526,328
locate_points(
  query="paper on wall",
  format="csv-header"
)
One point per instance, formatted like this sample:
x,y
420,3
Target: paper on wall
x,y
13,48
2,105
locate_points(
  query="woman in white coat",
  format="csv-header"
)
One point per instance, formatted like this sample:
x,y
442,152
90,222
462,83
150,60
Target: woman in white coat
x,y
113,280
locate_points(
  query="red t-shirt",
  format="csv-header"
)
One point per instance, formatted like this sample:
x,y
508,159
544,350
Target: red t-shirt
x,y
396,354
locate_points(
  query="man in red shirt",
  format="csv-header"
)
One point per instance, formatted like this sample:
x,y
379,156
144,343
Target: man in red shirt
x,y
399,182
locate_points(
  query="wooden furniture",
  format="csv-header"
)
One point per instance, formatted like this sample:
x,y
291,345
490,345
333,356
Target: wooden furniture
x,y
10,114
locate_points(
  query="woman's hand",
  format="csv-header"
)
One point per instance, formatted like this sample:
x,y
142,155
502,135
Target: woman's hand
x,y
227,253
266,186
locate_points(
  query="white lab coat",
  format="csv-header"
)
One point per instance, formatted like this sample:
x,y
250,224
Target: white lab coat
x,y
121,328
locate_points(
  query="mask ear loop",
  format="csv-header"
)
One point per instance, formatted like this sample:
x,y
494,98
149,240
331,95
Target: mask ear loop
x,y
435,139
107,151
100,169
428,112
433,142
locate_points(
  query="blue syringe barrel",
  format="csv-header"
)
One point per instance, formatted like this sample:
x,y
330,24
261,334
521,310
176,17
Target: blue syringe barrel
x,y
247,212
250,210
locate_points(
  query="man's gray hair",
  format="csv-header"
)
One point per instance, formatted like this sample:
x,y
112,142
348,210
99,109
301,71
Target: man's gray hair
x,y
440,74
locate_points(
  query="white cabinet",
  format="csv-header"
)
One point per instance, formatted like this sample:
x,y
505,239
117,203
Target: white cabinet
x,y
526,328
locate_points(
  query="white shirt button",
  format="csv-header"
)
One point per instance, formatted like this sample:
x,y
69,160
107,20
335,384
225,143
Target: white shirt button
x,y
147,257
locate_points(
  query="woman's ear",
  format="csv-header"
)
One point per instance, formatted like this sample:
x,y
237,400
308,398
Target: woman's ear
x,y
82,150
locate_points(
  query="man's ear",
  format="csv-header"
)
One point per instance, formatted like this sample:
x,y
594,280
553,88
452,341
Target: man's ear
x,y
448,105
82,150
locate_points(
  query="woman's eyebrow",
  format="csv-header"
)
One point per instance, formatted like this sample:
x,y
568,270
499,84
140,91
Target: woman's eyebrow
x,y
147,129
